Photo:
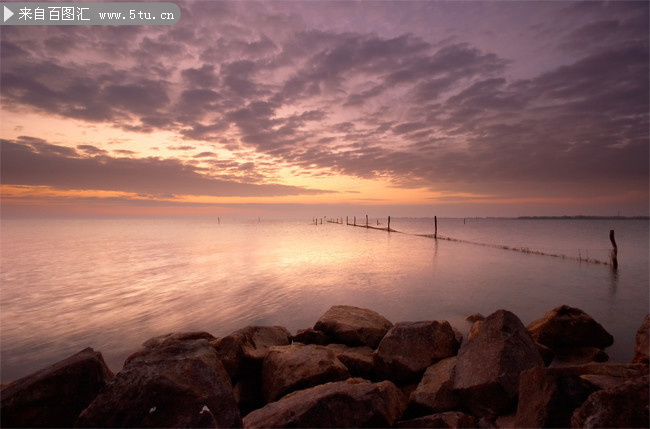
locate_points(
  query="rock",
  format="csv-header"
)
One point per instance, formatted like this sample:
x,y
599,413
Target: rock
x,y
351,403
436,390
358,360
620,370
642,343
410,347
170,383
180,336
243,351
449,419
578,355
248,394
54,396
547,354
473,330
489,365
353,326
547,398
623,406
312,336
298,366
475,317
566,326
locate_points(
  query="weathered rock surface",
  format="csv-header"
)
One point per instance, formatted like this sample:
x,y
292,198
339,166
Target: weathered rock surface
x,y
489,365
54,396
351,403
578,355
642,343
410,347
243,350
436,389
358,360
299,366
548,398
312,336
449,419
566,326
170,383
623,406
353,326
473,330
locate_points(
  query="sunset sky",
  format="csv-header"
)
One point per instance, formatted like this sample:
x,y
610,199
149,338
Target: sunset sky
x,y
332,108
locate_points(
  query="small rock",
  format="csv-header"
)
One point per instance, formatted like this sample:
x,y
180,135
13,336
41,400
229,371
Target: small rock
x,y
623,406
312,336
489,365
353,326
358,360
475,317
566,326
54,396
474,329
410,347
351,403
642,343
298,366
435,392
449,419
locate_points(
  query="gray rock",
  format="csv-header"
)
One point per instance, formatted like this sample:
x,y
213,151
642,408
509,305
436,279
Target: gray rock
x,y
435,392
170,383
410,347
351,403
566,326
449,419
489,365
642,343
298,366
353,326
54,396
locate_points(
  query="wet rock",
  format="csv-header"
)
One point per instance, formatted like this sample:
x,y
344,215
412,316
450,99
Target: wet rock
x,y
170,383
566,326
489,365
242,351
358,360
623,406
578,355
353,326
299,366
54,396
436,389
642,343
312,336
449,419
351,403
410,347
548,398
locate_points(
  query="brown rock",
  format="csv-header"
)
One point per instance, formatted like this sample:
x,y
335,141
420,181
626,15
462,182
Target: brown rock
x,y
566,326
54,396
353,326
242,351
547,354
578,355
248,394
547,398
410,347
350,403
449,419
475,328
154,342
298,366
489,365
620,370
623,406
312,336
475,317
170,383
642,343
358,360
436,390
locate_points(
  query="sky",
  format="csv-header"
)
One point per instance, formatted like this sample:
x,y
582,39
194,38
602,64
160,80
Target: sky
x,y
291,109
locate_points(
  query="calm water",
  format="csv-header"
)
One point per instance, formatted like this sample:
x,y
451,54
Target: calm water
x,y
112,284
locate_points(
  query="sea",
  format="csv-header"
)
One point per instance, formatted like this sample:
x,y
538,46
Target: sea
x,y
111,284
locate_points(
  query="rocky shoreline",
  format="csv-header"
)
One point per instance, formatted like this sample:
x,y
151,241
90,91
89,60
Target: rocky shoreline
x,y
354,368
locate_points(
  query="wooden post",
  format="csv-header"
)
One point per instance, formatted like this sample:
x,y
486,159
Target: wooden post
x,y
366,221
377,221
388,223
355,221
218,221
435,231
346,221
614,253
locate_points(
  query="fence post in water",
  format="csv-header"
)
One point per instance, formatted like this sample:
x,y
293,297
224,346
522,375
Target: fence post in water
x,y
435,223
388,223
346,221
366,221
614,253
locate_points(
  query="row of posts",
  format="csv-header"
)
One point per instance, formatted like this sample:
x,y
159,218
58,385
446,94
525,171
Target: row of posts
x,y
354,223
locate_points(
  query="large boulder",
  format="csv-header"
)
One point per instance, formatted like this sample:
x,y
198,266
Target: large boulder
x,y
312,336
358,360
353,326
622,406
298,366
169,383
548,398
489,365
448,419
642,343
566,326
436,389
351,403
243,351
54,396
410,347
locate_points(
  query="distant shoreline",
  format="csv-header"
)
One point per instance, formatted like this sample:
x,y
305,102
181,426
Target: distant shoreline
x,y
584,217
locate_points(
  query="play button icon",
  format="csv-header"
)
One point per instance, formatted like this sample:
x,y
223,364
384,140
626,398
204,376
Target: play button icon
x,y
7,14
